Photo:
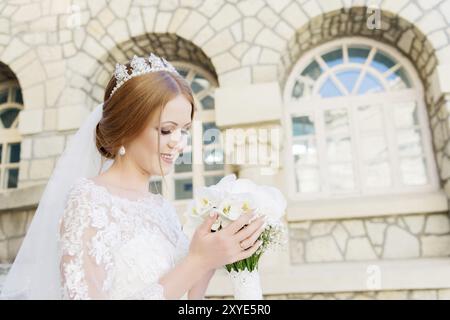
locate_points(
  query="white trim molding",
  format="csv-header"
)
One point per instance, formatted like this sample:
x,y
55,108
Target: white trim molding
x,y
370,206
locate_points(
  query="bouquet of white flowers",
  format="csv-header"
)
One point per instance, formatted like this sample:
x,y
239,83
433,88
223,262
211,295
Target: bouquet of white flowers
x,y
231,198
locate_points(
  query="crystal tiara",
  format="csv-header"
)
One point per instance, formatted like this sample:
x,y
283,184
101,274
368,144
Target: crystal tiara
x,y
140,66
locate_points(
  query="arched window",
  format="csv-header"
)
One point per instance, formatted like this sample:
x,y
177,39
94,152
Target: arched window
x,y
357,123
202,162
10,105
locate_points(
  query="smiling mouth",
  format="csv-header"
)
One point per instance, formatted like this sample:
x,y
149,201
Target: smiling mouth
x,y
168,157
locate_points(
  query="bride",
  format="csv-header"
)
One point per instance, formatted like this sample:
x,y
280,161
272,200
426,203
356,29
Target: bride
x,y
98,233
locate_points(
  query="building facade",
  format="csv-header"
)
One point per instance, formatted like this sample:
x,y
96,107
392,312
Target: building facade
x,y
343,105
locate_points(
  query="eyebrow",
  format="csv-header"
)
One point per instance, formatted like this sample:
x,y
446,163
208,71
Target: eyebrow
x,y
173,122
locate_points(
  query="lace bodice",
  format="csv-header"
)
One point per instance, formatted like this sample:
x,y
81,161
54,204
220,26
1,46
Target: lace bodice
x,y
115,248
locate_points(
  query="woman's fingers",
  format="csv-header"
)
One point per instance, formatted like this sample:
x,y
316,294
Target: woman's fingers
x,y
248,230
249,252
249,241
237,225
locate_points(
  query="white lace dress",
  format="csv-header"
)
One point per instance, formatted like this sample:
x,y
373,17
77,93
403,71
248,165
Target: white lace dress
x,y
115,248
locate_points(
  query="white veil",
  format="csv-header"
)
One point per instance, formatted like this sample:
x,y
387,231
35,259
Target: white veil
x,y
35,272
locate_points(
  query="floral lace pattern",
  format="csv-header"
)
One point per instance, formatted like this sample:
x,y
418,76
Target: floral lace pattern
x,y
116,248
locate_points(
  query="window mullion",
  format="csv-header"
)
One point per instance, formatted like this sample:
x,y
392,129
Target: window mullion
x,y
344,53
1,178
320,136
427,147
392,145
364,70
357,159
391,70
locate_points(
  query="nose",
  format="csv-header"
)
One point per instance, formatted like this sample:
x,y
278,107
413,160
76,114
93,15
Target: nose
x,y
176,140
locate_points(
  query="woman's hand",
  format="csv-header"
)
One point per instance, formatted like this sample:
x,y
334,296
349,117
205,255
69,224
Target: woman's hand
x,y
210,250
235,242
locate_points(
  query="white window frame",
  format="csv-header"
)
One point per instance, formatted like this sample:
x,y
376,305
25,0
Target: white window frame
x,y
9,135
316,106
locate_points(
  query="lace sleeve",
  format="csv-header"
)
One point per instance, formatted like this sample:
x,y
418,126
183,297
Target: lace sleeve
x,y
182,247
83,269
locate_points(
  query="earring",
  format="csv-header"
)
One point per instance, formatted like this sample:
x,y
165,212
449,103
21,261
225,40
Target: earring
x,y
122,151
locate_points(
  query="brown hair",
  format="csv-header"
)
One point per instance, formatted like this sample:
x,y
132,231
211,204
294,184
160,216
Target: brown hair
x,y
127,112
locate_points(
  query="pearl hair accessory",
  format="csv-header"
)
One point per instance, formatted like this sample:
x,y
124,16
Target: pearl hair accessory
x,y
140,66
122,150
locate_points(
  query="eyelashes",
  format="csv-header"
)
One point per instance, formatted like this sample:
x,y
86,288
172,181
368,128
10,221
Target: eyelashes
x,y
165,132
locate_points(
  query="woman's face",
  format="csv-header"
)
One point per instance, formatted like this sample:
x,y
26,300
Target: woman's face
x,y
172,131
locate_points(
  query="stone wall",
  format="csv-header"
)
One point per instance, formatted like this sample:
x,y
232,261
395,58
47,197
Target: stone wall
x,y
440,127
13,226
392,237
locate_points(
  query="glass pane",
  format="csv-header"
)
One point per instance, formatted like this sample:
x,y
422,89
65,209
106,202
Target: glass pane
x,y
329,89
307,179
312,71
183,189
298,89
358,55
303,87
307,175
409,142
406,115
18,95
373,147
211,134
304,153
155,186
13,178
413,171
182,72
377,174
213,160
336,122
184,162
211,180
370,118
382,62
14,152
370,84
208,102
339,149
199,83
399,80
196,87
4,95
341,177
348,78
333,58
302,125
8,116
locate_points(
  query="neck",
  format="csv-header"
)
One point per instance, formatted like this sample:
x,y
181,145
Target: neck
x,y
128,175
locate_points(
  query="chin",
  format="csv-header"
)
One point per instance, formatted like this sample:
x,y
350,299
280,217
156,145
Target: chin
x,y
166,170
